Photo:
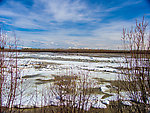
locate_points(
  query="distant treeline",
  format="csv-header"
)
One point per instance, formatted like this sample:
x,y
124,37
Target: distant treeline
x,y
75,50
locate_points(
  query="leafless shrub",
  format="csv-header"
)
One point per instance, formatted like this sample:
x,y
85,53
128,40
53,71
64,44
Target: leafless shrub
x,y
137,66
9,72
71,92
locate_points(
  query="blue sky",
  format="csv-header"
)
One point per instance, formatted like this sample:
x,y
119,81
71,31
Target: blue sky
x,y
71,23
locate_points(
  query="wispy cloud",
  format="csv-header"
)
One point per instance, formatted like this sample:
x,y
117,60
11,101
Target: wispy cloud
x,y
112,30
106,35
52,11
65,10
122,5
68,23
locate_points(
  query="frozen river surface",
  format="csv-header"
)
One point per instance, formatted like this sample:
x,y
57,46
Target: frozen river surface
x,y
39,71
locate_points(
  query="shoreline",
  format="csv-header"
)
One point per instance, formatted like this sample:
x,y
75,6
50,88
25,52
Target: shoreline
x,y
76,51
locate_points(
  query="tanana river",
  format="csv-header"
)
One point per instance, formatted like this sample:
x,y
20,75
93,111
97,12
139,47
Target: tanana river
x,y
42,74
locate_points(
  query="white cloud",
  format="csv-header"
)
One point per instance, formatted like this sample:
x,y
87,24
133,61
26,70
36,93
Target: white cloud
x,y
51,15
26,23
105,36
52,11
7,13
112,30
124,4
66,10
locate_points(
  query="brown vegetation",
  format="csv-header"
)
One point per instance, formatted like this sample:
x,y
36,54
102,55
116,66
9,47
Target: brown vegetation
x,y
78,50
9,73
137,68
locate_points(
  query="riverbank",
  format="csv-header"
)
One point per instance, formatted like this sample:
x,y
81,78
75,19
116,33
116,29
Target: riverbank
x,y
74,50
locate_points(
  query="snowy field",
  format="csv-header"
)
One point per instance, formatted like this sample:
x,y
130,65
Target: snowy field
x,y
39,70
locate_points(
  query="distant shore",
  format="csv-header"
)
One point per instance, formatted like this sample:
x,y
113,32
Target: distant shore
x,y
75,50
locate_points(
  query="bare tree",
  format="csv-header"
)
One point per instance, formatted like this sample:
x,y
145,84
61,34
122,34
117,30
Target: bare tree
x,y
71,92
136,79
9,72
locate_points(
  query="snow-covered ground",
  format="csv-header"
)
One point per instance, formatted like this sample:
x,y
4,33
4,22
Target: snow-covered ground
x,y
43,66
